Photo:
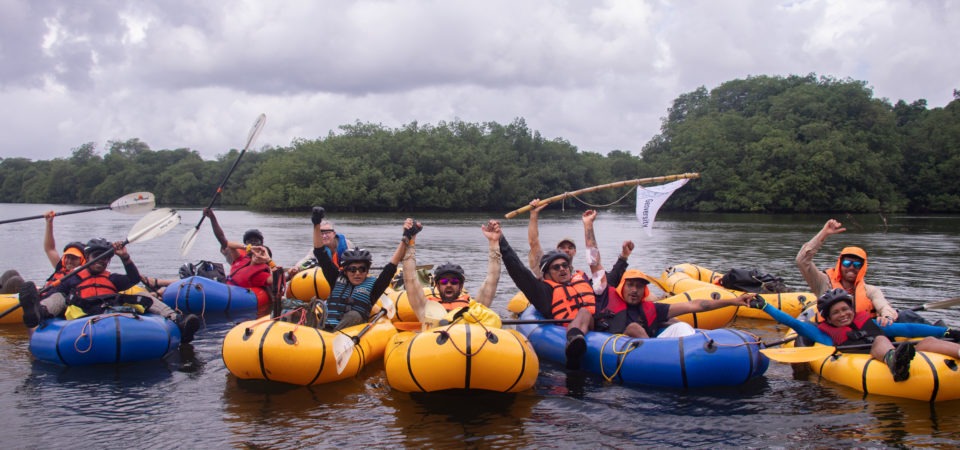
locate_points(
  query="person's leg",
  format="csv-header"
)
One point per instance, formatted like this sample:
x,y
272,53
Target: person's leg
x,y
187,323
576,339
350,319
10,282
934,345
897,360
909,316
677,330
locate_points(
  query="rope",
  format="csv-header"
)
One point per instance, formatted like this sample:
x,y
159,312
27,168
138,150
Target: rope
x,y
84,330
486,332
621,354
606,205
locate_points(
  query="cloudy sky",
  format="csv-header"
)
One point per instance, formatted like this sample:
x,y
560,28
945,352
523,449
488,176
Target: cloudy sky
x,y
600,74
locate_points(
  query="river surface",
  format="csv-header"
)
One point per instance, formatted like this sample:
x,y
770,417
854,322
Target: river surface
x,y
190,400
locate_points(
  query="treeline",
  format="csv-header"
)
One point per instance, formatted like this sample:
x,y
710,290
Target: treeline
x,y
762,144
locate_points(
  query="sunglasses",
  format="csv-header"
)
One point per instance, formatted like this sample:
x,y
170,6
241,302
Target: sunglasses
x,y
850,262
355,269
560,266
326,231
446,281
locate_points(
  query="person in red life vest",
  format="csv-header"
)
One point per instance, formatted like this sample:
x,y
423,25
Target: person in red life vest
x,y
94,290
630,309
253,269
848,273
448,278
844,325
558,295
233,250
323,231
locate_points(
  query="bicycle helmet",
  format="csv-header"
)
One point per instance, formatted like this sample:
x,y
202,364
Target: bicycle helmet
x,y
251,234
830,298
97,246
449,269
354,256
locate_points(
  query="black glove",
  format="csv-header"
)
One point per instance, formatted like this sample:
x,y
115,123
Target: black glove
x,y
757,302
409,233
318,214
953,334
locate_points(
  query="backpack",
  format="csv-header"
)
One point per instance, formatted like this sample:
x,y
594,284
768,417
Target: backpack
x,y
206,269
752,281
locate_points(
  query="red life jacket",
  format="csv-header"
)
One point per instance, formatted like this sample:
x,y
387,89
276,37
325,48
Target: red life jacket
x,y
568,299
839,335
243,271
457,303
94,285
617,307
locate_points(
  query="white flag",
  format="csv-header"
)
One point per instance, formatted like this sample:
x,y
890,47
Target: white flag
x,y
649,201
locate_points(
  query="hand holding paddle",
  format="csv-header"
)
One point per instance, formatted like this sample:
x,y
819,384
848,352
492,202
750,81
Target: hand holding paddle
x,y
135,203
150,226
343,344
191,237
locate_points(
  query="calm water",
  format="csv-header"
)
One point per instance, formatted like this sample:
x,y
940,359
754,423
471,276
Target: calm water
x,y
191,400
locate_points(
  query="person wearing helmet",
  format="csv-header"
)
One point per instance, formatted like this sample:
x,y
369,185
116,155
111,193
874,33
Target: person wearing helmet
x,y
353,291
558,294
233,250
843,325
93,290
448,278
848,273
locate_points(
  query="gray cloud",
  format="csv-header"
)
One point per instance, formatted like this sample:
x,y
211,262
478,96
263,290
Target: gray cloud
x,y
598,74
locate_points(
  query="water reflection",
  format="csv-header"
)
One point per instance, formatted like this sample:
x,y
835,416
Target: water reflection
x,y
190,399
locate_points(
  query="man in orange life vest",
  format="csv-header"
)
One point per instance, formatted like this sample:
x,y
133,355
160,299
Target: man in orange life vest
x,y
559,295
95,289
449,278
848,273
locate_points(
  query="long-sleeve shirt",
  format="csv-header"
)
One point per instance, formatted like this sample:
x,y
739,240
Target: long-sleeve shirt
x,y
819,282
537,291
332,273
810,330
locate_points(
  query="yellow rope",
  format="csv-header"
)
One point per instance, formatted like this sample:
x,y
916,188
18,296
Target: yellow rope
x,y
621,354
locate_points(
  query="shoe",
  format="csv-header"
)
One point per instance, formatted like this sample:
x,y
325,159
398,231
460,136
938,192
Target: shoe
x,y
188,324
899,363
30,302
318,214
952,334
576,347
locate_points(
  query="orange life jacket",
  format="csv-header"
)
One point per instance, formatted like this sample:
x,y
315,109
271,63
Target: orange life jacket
x,y
861,303
457,303
94,285
568,299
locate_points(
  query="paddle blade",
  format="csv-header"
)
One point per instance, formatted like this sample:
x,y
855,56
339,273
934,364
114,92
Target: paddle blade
x,y
938,305
798,354
342,351
154,224
387,304
188,240
433,313
135,203
255,131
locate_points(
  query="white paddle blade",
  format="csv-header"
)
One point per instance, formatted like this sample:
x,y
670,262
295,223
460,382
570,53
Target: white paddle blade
x,y
342,351
154,224
188,240
387,304
433,313
135,203
255,131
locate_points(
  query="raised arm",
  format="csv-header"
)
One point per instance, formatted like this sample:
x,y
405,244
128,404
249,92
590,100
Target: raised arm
x,y
49,244
804,258
491,230
533,235
597,273
411,282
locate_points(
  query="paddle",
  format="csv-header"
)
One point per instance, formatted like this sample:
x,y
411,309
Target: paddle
x,y
937,305
150,226
534,321
343,344
187,243
815,353
564,195
135,203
